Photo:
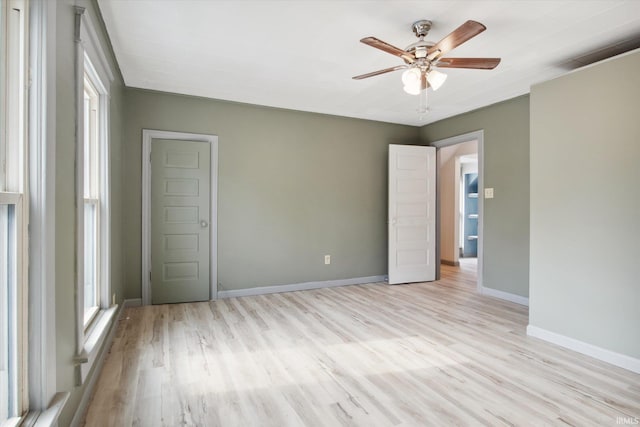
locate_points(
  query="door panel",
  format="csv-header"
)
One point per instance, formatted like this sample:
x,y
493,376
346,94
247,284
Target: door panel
x,y
411,214
180,217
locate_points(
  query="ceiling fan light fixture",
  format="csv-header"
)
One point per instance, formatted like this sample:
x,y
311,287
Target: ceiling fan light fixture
x,y
412,89
411,77
436,79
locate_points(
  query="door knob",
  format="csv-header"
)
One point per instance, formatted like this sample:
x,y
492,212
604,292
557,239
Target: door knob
x,y
204,224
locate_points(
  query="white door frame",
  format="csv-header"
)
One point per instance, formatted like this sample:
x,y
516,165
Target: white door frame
x,y
148,135
477,135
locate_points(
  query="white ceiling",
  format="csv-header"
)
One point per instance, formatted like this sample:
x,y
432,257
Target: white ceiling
x,y
302,54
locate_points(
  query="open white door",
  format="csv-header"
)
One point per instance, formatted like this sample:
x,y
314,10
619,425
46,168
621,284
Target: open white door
x,y
412,213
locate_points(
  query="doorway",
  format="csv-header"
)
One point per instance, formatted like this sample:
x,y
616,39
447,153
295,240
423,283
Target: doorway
x,y
460,201
179,226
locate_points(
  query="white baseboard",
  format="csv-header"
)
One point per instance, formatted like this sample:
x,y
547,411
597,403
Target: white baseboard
x,y
505,296
262,290
134,302
97,368
621,360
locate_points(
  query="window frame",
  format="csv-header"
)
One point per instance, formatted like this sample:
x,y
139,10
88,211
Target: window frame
x,y
34,203
14,172
92,63
18,355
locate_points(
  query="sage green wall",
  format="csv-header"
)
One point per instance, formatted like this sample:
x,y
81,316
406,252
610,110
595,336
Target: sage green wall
x,y
65,193
293,186
506,169
585,175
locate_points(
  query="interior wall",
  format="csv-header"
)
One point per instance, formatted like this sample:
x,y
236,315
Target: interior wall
x,y
506,169
449,188
470,167
585,148
292,187
65,242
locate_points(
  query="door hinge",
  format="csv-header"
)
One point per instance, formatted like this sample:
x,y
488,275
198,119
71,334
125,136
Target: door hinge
x,y
149,275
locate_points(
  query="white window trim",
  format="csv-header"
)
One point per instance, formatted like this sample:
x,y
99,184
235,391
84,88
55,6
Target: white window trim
x,y
45,404
90,58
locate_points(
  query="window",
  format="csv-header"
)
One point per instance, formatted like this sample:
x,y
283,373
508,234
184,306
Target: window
x,y
13,211
91,175
93,150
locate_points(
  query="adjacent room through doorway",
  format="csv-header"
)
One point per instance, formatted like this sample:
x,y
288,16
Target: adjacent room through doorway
x,y
459,207
467,212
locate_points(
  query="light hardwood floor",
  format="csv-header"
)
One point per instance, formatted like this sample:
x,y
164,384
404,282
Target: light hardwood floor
x,y
368,355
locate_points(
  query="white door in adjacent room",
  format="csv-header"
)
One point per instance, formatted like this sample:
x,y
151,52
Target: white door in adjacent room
x,y
412,221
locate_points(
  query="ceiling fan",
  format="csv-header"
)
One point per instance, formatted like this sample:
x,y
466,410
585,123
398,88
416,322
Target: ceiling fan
x,y
422,57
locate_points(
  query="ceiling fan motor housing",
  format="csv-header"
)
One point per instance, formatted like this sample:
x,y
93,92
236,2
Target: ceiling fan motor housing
x,y
419,48
421,28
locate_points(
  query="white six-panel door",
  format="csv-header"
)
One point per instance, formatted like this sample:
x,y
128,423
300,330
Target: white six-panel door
x,y
412,199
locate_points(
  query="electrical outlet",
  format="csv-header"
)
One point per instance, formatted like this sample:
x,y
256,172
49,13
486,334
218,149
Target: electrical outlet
x,y
327,259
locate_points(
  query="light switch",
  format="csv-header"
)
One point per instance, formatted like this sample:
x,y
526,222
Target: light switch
x,y
488,193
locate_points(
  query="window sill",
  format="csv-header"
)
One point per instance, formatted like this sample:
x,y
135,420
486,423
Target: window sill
x,y
48,417
96,336
11,422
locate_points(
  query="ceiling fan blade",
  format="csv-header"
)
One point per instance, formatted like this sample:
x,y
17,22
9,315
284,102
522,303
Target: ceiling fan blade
x,y
386,47
375,73
460,35
476,63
